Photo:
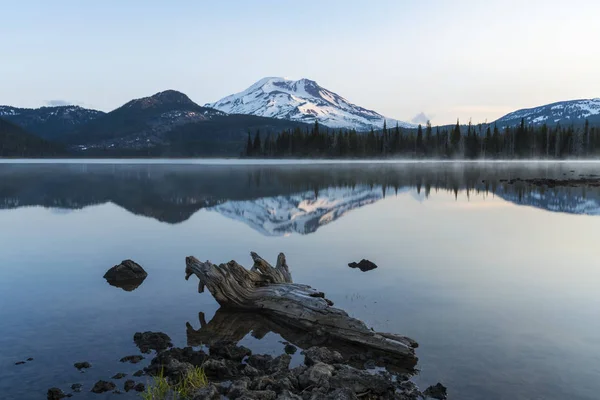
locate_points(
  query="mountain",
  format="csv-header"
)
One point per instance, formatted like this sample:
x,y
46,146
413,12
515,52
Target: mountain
x,y
304,101
573,112
49,122
16,142
170,124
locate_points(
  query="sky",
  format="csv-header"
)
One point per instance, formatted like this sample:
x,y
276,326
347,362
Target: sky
x,y
409,60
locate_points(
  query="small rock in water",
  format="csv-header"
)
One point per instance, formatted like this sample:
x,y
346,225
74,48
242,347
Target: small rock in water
x,y
56,394
129,384
30,359
83,365
20,363
128,275
140,387
120,375
103,386
139,373
147,341
76,387
290,349
132,359
363,265
437,391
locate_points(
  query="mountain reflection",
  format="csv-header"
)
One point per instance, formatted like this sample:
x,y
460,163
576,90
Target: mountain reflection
x,y
279,200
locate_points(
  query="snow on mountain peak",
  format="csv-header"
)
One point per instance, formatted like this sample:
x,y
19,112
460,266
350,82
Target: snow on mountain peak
x,y
302,100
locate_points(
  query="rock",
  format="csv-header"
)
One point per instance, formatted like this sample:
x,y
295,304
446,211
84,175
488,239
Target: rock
x,y
238,388
317,375
342,394
103,386
55,394
132,359
360,381
210,392
76,387
261,362
128,275
30,359
290,349
147,341
279,364
258,395
120,375
140,387
175,363
20,363
138,373
363,265
129,384
220,369
321,354
287,395
250,371
437,391
229,351
82,365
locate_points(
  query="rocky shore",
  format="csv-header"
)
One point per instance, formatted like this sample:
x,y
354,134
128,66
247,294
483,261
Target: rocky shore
x,y
234,372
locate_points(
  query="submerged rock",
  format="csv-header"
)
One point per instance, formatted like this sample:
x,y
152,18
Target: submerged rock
x,y
132,359
148,341
120,375
82,365
103,386
76,387
129,384
128,275
437,391
55,394
363,265
138,373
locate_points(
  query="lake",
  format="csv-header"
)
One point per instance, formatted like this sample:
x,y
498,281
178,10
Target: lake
x,y
494,274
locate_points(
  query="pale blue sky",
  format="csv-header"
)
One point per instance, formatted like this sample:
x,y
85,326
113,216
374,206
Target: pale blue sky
x,y
449,59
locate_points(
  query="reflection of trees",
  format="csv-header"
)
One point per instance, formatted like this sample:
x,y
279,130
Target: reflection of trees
x,y
172,193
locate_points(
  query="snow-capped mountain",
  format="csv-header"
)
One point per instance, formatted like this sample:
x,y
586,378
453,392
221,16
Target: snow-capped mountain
x,y
302,213
49,122
564,112
304,101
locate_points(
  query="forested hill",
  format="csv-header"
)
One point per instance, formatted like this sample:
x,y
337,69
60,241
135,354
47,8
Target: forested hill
x,y
16,142
454,142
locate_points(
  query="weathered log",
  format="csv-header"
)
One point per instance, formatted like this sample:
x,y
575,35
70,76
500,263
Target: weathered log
x,y
270,290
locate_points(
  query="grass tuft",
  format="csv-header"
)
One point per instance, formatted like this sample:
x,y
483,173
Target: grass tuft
x,y
161,389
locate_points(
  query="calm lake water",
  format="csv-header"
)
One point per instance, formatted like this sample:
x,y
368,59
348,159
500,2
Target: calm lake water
x,y
498,282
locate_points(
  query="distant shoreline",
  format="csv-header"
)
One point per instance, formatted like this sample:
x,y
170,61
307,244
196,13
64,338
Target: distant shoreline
x,y
273,161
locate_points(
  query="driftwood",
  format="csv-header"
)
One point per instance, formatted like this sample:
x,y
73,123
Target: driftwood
x,y
270,290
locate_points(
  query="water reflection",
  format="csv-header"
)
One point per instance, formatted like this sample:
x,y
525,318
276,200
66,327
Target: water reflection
x,y
280,200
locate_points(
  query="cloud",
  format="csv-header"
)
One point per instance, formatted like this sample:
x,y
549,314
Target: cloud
x,y
420,118
58,102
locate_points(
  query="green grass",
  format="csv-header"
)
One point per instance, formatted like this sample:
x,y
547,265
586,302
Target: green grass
x,y
161,389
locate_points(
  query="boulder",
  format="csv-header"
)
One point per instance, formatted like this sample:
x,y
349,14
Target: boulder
x,y
363,265
148,341
220,369
360,381
210,392
128,275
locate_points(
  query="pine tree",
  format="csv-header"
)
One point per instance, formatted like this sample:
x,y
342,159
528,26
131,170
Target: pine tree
x,y
256,146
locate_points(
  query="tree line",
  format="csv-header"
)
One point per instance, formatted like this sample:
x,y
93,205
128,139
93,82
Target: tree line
x,y
458,141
